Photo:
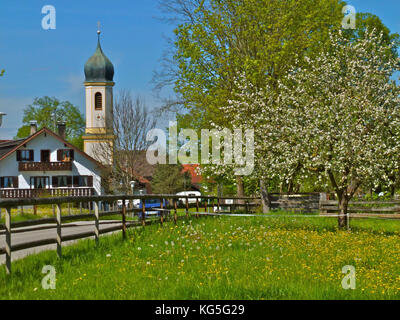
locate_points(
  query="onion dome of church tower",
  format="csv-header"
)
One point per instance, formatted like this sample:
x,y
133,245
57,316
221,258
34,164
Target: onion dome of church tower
x,y
99,68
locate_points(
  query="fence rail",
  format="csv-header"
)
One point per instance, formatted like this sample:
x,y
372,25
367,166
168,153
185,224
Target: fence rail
x,y
8,204
371,208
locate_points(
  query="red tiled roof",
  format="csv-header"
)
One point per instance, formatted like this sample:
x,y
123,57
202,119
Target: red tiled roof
x,y
192,169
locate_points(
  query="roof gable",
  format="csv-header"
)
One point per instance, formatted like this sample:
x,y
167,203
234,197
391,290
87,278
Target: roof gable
x,y
17,144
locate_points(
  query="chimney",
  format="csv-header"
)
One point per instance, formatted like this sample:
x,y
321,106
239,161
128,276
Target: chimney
x,y
1,118
61,129
33,127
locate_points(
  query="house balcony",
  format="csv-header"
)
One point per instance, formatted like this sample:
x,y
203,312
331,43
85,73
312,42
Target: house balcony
x,y
45,166
46,193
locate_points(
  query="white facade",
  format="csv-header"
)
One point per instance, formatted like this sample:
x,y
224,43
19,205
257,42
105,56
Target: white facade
x,y
81,165
99,139
99,118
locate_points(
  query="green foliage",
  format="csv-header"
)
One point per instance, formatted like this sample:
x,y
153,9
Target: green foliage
x,y
258,37
383,196
368,21
168,179
41,110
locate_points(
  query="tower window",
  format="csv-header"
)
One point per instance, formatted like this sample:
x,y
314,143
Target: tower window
x,y
98,101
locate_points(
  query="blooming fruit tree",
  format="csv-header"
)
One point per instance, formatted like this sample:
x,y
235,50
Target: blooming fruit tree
x,y
337,116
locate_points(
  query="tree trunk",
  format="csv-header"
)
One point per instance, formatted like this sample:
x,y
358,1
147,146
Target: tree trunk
x,y
265,200
343,218
240,188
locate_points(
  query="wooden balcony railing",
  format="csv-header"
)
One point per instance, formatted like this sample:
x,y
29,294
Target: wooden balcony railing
x,y
45,166
41,193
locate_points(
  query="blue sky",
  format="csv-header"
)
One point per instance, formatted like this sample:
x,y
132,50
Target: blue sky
x,y
50,62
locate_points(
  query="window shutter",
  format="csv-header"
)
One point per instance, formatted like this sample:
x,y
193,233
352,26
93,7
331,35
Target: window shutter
x,y
69,181
31,155
54,182
15,182
72,153
1,182
98,101
76,181
18,155
59,155
90,181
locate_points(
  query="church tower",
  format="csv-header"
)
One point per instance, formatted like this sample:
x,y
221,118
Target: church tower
x,y
99,138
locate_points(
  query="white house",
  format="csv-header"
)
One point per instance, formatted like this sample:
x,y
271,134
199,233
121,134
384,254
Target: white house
x,y
45,164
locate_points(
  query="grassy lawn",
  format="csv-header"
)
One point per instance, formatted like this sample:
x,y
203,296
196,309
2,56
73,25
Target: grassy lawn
x,y
221,258
44,211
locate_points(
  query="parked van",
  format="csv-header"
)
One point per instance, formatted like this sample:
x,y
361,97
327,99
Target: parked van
x,y
189,194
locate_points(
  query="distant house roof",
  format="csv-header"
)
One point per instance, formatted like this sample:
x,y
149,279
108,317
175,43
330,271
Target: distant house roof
x,y
192,170
138,161
9,147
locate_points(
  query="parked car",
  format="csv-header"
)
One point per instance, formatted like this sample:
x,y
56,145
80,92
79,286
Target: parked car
x,y
189,194
150,204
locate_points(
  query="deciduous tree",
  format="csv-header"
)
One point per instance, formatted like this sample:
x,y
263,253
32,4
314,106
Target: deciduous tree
x,y
48,111
337,115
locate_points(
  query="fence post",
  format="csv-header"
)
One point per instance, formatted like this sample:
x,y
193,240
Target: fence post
x,y
8,240
175,212
96,222
187,207
58,219
123,219
205,206
143,212
219,206
162,211
197,207
322,197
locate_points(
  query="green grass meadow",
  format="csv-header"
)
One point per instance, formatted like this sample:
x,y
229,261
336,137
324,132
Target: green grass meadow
x,y
224,258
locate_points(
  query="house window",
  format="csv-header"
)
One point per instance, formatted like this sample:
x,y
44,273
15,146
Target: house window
x,y
65,155
45,155
98,101
39,182
83,181
8,182
61,181
25,155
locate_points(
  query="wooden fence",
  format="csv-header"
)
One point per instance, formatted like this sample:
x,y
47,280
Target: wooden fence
x,y
168,204
207,203
298,202
382,209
